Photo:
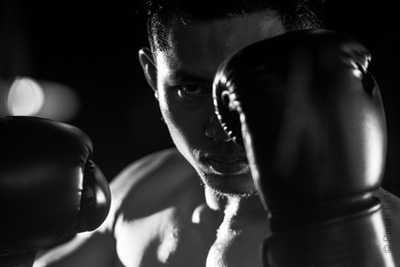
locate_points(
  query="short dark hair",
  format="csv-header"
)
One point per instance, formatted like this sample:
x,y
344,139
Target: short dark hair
x,y
295,14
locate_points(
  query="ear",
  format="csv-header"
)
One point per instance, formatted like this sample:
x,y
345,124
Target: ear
x,y
149,68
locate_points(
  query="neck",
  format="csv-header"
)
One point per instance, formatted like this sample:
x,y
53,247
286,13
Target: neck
x,y
235,207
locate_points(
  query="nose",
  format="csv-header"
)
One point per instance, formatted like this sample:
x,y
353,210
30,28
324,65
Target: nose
x,y
215,131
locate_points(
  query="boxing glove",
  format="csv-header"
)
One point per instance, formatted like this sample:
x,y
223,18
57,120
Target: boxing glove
x,y
311,119
49,187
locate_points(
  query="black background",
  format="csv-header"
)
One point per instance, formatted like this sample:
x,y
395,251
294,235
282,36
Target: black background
x,y
92,47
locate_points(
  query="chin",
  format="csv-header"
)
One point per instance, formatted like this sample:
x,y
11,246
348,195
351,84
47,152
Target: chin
x,y
234,185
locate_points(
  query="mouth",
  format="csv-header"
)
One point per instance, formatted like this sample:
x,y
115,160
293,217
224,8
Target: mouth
x,y
226,165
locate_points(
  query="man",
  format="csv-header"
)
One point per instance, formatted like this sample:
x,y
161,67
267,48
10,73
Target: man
x,y
195,205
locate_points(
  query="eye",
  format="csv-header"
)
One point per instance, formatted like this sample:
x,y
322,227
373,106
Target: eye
x,y
191,90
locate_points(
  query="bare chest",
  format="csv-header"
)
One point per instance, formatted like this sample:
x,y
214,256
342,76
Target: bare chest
x,y
162,239
236,248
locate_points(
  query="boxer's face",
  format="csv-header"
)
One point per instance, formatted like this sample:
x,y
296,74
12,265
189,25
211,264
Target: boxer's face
x,y
183,86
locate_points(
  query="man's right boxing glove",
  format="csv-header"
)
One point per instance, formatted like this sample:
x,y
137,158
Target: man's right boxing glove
x,y
49,187
311,119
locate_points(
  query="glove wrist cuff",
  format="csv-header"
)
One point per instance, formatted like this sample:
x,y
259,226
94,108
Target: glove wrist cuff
x,y
354,240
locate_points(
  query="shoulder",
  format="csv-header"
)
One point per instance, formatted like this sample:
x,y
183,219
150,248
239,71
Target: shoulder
x,y
153,202
167,167
146,184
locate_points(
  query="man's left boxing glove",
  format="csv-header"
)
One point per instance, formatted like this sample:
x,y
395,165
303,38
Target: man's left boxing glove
x,y
49,187
311,118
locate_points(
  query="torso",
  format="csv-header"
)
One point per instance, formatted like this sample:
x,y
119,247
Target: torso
x,y
161,219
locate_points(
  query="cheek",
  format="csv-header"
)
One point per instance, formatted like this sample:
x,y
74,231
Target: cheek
x,y
185,121
179,121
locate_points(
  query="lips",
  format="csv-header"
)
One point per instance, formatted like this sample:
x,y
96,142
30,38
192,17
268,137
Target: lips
x,y
226,165
226,160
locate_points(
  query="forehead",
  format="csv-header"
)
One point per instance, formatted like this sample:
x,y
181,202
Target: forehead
x,y
199,46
